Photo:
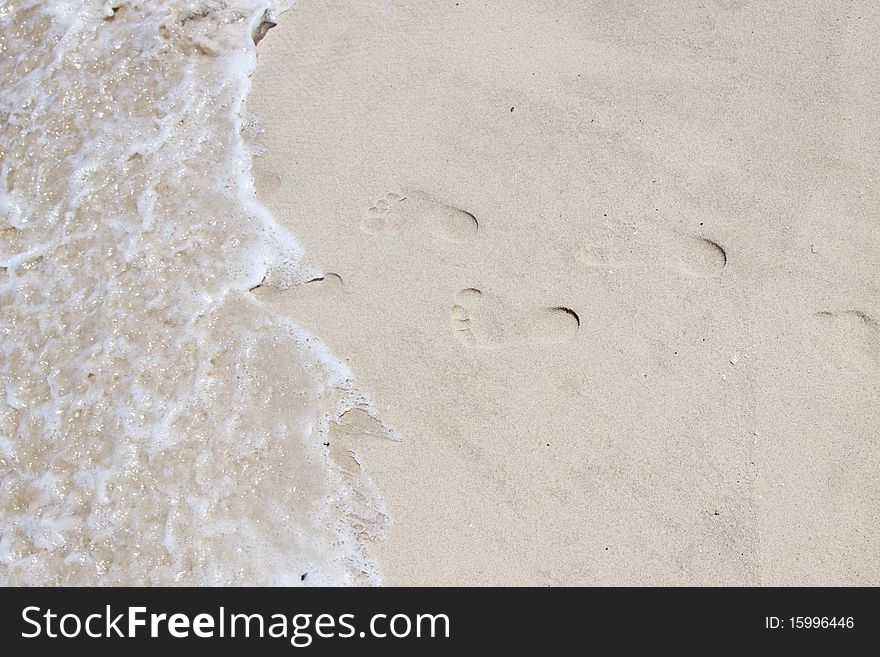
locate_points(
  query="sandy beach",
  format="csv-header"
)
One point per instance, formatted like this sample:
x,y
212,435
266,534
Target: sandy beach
x,y
610,269
487,292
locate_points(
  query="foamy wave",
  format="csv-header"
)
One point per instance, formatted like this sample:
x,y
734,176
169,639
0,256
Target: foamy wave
x,y
158,424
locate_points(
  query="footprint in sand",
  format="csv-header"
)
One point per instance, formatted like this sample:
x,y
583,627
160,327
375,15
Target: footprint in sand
x,y
346,435
397,209
853,327
485,320
620,244
320,288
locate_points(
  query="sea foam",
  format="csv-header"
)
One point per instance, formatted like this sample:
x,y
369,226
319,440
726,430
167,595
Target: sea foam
x,y
158,424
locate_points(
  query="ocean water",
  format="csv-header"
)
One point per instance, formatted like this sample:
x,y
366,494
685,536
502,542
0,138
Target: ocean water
x,y
158,425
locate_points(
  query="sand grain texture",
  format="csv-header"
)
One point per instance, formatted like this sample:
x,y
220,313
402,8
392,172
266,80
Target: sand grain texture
x,y
611,270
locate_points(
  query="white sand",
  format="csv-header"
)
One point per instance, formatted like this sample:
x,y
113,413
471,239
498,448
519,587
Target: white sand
x,y
696,181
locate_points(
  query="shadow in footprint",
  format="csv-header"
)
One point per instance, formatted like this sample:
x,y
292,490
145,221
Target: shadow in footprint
x,y
489,321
